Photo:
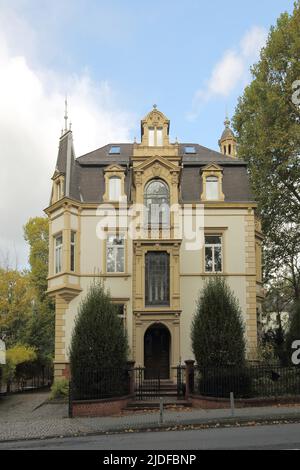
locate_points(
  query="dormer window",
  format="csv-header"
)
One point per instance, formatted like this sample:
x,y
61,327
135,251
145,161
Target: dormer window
x,y
212,178
114,188
159,137
155,135
114,176
58,188
212,188
151,137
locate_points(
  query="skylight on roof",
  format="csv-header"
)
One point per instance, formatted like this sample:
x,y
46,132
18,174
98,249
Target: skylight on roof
x,y
115,150
190,150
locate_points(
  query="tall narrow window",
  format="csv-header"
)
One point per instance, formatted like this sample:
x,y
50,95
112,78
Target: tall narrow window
x,y
157,279
151,137
212,188
213,254
72,251
59,190
115,254
157,204
159,137
114,188
58,253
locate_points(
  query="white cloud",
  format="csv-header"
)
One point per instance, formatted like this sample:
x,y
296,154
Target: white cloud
x,y
31,114
231,70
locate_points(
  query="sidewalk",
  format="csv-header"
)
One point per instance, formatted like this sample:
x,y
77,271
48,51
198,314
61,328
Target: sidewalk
x,y
49,420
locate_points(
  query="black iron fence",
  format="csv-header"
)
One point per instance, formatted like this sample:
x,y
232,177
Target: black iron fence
x,y
147,383
250,381
180,379
28,377
100,384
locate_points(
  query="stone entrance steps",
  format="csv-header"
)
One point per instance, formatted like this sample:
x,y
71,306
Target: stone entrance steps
x,y
150,387
148,395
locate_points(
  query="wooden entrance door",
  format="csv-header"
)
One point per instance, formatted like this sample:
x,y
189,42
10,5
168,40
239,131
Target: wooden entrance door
x,y
157,352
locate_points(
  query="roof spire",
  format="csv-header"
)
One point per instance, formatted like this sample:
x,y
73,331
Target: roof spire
x,y
228,142
66,114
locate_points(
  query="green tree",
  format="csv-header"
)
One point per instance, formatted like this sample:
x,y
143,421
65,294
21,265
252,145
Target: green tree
x,y
36,233
16,296
99,339
26,313
267,123
217,329
40,328
16,356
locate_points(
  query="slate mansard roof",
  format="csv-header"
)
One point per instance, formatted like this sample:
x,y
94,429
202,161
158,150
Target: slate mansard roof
x,y
86,182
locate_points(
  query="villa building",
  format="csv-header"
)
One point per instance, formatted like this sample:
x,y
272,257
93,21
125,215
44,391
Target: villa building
x,y
153,220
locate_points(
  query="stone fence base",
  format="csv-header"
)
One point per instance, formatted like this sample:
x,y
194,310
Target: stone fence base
x,y
210,403
99,408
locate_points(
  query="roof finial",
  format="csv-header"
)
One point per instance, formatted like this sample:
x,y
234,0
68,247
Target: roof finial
x,y
227,121
154,106
66,114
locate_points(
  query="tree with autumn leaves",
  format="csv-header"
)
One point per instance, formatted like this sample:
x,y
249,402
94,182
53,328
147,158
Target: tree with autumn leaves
x,y
26,313
267,122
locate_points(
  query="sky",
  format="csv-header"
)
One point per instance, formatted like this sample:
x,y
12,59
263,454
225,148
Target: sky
x,y
113,59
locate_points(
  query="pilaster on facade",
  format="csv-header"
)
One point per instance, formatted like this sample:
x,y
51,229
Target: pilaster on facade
x,y
251,301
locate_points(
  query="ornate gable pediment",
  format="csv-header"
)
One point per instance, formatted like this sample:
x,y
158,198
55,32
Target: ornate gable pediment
x,y
114,168
57,174
156,167
212,167
156,161
155,118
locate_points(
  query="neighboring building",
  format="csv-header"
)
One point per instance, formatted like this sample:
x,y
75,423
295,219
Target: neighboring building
x,y
155,274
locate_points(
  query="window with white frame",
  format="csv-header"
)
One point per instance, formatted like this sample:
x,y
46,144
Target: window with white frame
x,y
58,253
157,279
212,188
213,254
72,251
114,188
151,137
155,136
159,137
115,254
59,190
157,204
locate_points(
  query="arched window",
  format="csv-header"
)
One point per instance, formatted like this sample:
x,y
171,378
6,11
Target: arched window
x,y
114,188
157,204
212,188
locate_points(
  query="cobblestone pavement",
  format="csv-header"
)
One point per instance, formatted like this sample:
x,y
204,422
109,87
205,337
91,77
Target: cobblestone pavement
x,y
29,416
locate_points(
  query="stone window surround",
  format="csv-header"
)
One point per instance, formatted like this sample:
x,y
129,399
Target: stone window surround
x,y
114,171
214,171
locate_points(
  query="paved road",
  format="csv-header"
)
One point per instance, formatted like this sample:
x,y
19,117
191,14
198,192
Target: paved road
x,y
257,437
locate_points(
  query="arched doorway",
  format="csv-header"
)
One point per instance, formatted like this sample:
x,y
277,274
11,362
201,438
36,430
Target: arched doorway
x,y
157,345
